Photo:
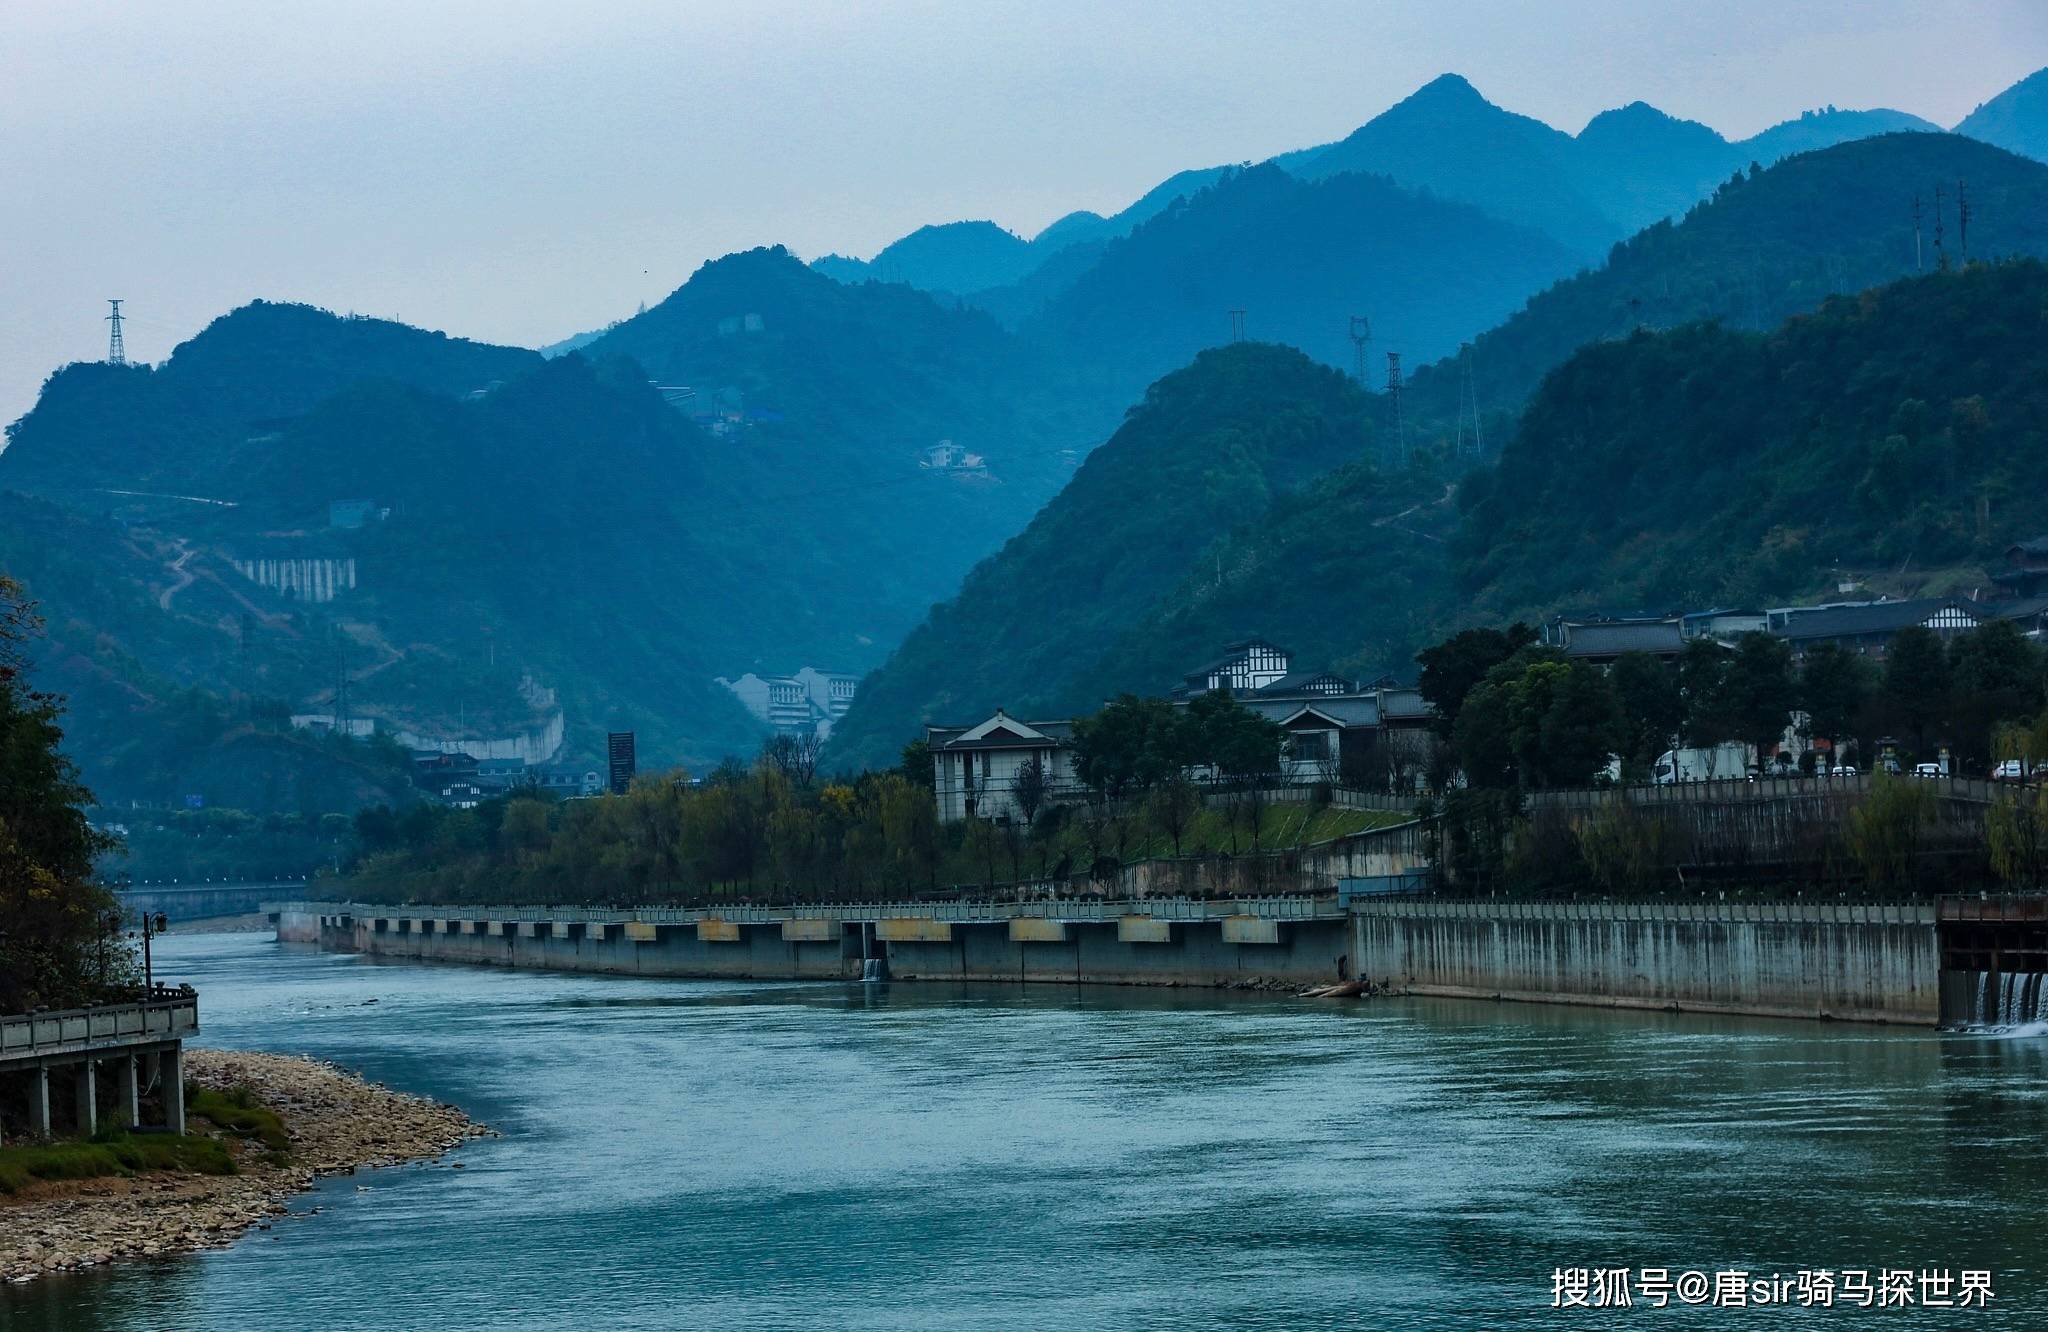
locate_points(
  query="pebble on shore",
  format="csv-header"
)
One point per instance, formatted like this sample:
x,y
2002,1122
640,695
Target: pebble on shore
x,y
338,1123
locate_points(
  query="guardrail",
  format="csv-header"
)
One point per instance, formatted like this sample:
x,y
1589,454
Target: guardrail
x,y
1769,913
166,1016
1292,907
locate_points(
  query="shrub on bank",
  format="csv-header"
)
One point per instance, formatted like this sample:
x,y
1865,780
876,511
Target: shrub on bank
x,y
115,1152
237,1111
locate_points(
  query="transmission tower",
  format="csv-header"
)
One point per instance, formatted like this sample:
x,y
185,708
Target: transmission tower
x,y
1237,326
1394,397
1361,337
1917,264
116,353
1940,254
1468,402
1963,219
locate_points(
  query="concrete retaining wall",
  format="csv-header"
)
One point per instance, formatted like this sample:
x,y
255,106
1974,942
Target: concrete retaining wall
x,y
1094,952
1134,950
1858,963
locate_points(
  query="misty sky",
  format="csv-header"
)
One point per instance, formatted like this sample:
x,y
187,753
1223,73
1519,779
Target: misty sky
x,y
519,171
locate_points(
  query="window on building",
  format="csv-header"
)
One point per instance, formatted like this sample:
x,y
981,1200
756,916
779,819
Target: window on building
x,y
1310,746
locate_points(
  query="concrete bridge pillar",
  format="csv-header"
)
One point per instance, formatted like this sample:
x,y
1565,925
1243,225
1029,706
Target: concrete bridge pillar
x,y
129,1111
88,1098
174,1089
39,1102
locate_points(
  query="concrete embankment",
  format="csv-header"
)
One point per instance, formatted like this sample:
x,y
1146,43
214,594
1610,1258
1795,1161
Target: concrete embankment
x,y
1865,963
337,1122
1287,940
1862,963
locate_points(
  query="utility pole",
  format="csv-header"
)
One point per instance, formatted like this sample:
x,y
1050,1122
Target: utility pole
x,y
1361,336
117,354
1237,326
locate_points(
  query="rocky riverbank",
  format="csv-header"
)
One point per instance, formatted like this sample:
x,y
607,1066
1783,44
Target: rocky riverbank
x,y
337,1122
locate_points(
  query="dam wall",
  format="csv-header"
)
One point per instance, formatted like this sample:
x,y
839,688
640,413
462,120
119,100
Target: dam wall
x,y
1862,963
1287,940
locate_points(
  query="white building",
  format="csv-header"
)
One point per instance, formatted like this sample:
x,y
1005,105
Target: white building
x,y
975,768
798,704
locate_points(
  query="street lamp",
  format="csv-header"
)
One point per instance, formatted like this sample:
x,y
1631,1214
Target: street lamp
x,y
153,924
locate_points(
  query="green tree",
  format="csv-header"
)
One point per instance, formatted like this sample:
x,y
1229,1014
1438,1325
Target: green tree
x,y
1652,706
1701,671
1538,722
1483,737
1885,832
1130,746
1834,688
54,916
916,764
1757,693
1997,679
1455,667
1917,682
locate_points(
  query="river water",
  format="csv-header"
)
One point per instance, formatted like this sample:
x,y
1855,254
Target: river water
x,y
685,1154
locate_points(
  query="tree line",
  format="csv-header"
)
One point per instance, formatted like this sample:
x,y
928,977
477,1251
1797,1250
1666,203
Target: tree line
x,y
1520,715
777,827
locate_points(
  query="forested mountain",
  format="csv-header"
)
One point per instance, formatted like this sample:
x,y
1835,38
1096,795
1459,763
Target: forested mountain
x,y
1767,245
952,257
855,380
198,422
557,536
2016,120
1447,139
1209,448
1299,258
176,689
1900,429
1890,437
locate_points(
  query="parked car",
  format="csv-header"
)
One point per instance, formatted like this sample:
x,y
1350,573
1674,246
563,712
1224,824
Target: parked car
x,y
2009,770
1843,770
1927,770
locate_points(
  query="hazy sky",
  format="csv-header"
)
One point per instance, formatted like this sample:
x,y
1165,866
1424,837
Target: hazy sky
x,y
518,171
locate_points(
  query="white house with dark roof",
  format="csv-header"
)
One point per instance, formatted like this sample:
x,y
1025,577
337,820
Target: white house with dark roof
x,y
975,768
1244,666
1336,727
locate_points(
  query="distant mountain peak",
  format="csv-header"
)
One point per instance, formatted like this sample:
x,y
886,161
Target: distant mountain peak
x,y
2016,119
1448,88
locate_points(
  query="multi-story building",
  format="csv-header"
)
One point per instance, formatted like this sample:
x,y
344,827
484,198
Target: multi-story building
x,y
805,702
977,770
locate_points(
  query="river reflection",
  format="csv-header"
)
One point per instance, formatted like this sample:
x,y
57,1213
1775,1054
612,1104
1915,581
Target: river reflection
x,y
727,1155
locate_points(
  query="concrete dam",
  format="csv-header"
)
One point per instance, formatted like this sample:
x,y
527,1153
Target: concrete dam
x,y
1957,961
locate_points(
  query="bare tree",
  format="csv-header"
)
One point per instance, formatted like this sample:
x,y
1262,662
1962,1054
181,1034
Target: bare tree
x,y
1175,803
795,757
1031,787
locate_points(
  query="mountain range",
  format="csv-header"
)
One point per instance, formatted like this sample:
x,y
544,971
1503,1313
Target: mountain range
x,y
1628,168
774,467
1326,567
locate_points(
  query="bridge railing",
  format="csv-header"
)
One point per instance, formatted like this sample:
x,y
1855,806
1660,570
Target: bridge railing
x,y
1277,907
166,1015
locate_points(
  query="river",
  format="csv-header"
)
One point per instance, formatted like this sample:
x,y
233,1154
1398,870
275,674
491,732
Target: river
x,y
685,1154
